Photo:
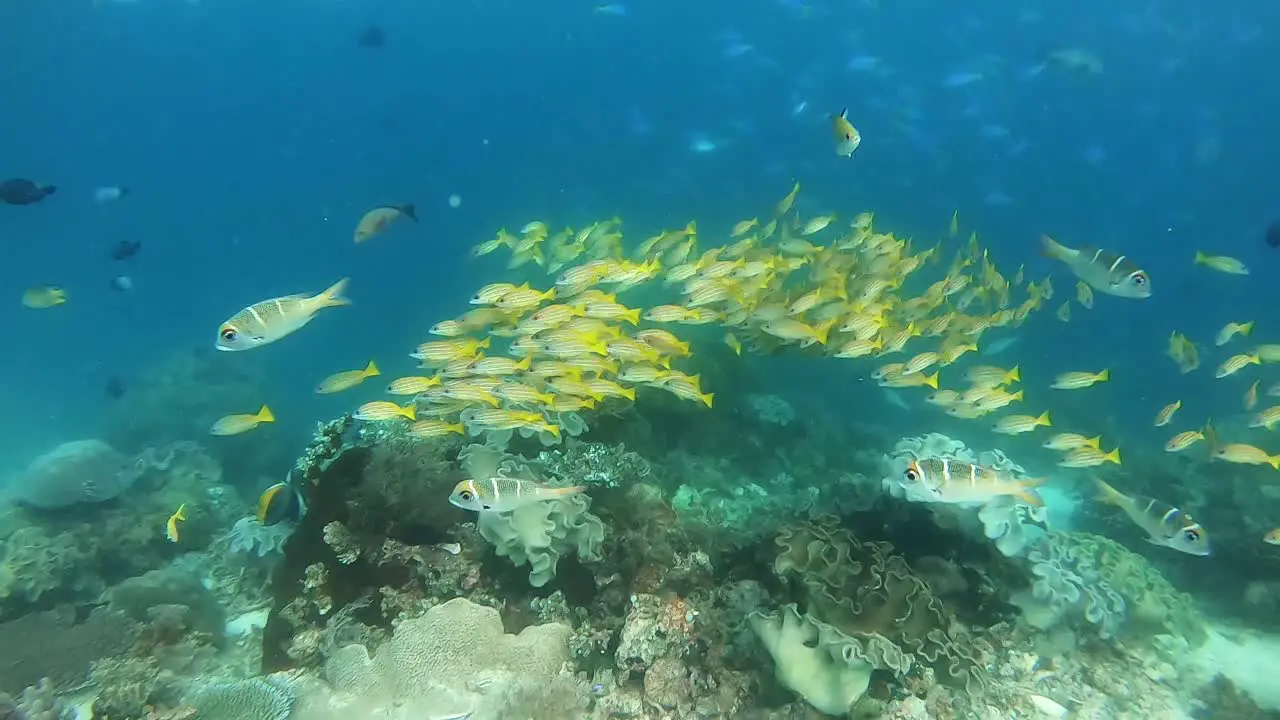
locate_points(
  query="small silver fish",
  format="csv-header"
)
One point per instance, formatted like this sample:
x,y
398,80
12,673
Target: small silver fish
x,y
503,494
1103,270
1165,525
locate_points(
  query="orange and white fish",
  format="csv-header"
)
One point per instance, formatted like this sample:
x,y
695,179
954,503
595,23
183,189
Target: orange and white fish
x,y
504,494
940,480
846,135
171,526
268,321
376,220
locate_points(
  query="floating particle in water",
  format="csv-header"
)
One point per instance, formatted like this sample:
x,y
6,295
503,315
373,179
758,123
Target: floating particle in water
x,y
455,201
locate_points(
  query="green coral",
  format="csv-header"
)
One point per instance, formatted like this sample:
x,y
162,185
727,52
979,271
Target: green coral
x,y
873,608
1154,605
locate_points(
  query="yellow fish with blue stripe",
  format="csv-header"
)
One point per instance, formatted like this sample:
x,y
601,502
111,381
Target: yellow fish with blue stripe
x,y
1103,270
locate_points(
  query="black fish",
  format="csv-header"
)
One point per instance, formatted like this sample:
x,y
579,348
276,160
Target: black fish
x,y
1273,234
125,249
115,387
282,502
372,37
24,192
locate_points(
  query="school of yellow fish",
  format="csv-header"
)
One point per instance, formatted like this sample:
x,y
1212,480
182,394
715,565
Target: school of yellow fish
x,y
531,350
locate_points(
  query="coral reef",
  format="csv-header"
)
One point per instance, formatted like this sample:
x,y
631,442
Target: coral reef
x,y
253,538
252,699
60,647
870,609
39,702
453,660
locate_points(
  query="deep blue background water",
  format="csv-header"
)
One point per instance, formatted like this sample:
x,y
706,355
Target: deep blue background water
x,y
255,134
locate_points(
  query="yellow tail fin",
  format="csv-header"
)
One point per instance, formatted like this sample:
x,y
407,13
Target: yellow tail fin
x,y
372,370
333,297
264,415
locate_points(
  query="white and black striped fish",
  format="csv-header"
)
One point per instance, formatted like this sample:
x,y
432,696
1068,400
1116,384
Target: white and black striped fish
x,y
950,481
503,494
1166,525
1102,270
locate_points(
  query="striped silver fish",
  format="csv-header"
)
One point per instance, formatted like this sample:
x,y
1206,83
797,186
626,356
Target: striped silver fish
x,y
1102,270
940,480
504,494
1165,525
269,320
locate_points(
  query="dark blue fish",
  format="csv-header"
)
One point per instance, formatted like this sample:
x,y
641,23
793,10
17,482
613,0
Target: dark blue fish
x,y
24,192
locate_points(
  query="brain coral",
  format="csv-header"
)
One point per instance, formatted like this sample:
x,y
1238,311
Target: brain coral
x,y
883,613
83,471
453,659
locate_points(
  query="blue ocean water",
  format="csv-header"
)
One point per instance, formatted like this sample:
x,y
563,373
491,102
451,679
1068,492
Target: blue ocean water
x,y
253,138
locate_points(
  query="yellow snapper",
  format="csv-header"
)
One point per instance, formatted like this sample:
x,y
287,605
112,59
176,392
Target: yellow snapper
x,y
950,481
42,298
1166,413
1077,380
435,428
268,321
1246,455
171,525
1018,424
1232,329
847,140
347,380
1267,418
504,494
1221,263
1235,364
385,410
1183,440
1071,441
376,220
236,424
1165,525
1088,456
1103,270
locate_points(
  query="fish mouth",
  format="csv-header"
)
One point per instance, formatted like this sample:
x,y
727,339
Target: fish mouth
x,y
223,348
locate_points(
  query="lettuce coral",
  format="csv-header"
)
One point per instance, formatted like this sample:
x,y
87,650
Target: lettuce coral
x,y
873,608
808,661
540,533
1111,585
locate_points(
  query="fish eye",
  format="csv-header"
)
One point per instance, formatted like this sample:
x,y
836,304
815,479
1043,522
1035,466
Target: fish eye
x,y
466,496
1139,279
228,334
912,475
1191,535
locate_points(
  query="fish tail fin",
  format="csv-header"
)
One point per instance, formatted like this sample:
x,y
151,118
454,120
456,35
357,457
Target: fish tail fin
x,y
1045,421
1274,461
1113,456
629,393
707,398
1108,494
409,211
632,317
1026,491
265,415
525,363
1104,376
485,343
333,297
1247,328
555,432
932,380
458,428
1094,442
1015,375
371,370
410,411
1055,250
1201,258
823,330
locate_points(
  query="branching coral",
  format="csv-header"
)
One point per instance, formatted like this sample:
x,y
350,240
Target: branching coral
x,y
885,615
594,464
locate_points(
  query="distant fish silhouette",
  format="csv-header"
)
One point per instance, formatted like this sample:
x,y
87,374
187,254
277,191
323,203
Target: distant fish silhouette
x,y
372,37
115,387
24,192
1273,234
125,249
